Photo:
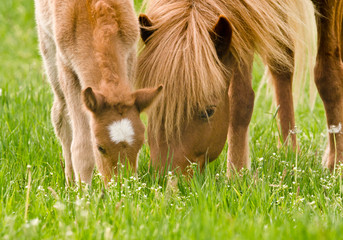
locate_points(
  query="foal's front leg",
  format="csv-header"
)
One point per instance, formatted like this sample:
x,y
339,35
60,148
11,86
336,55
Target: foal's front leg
x,y
241,101
81,147
59,115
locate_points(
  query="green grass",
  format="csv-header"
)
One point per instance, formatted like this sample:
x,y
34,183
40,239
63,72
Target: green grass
x,y
282,197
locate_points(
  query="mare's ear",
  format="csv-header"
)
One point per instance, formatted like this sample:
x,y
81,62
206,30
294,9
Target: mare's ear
x,y
221,35
93,101
145,23
146,96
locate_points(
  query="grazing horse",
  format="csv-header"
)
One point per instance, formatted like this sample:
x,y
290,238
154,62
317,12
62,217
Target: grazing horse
x,y
202,52
89,52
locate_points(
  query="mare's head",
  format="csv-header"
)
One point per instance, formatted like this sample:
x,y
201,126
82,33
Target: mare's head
x,y
117,130
185,51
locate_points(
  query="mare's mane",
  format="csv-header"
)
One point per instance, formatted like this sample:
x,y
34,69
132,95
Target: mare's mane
x,y
181,55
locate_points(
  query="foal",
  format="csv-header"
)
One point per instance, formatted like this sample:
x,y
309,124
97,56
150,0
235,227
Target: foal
x,y
88,48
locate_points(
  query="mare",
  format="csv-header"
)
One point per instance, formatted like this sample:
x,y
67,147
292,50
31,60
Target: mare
x,y
89,53
202,52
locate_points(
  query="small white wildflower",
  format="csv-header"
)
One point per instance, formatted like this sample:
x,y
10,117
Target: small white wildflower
x,y
78,202
335,128
28,166
0,92
59,206
40,188
84,214
69,233
34,222
295,130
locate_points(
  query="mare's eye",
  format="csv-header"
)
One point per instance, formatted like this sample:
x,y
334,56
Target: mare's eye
x,y
208,113
101,149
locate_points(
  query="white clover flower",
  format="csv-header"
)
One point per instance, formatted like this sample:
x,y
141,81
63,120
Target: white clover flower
x,y
335,128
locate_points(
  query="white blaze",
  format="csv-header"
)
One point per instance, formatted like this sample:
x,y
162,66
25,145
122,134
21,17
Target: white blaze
x,y
121,131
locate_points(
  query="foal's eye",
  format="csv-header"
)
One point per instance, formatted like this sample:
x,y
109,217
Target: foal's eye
x,y
208,113
101,149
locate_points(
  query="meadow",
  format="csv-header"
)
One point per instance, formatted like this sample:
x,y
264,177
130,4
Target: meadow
x,y
286,195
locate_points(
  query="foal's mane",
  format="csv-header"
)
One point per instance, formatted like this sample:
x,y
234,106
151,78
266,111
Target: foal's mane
x,y
115,32
181,55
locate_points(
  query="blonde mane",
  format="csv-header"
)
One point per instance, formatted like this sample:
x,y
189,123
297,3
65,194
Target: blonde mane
x,y
181,55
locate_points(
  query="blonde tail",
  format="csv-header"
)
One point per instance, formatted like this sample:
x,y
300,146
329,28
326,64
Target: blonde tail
x,y
305,49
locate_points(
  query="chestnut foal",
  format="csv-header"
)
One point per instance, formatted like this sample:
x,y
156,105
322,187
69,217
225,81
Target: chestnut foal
x,y
89,51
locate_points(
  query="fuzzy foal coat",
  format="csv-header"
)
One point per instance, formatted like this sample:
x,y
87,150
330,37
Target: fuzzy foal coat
x,y
92,44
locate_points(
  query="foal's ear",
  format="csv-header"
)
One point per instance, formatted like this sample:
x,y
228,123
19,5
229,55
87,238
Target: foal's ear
x,y
145,23
146,96
93,101
221,35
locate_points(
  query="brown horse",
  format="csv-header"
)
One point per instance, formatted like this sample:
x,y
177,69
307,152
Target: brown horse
x,y
202,52
89,51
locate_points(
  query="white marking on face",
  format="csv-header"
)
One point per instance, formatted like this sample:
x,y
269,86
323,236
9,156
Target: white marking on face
x,y
121,131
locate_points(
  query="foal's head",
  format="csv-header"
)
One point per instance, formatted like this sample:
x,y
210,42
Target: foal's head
x,y
118,132
186,54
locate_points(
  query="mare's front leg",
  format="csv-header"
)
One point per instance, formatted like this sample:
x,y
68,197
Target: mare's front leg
x,y
329,77
241,102
282,80
81,146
